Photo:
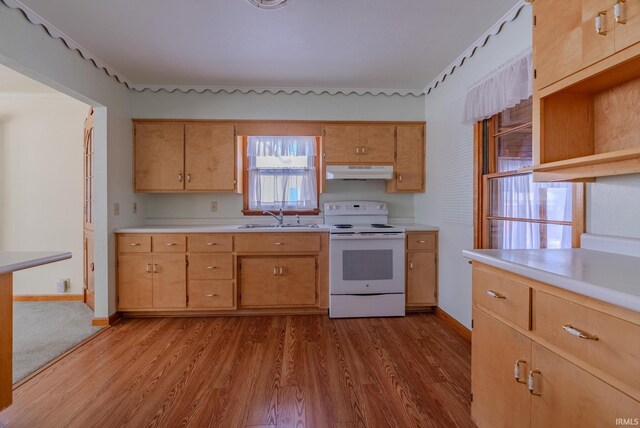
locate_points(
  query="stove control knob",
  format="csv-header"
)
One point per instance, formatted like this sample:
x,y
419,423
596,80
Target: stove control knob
x,y
382,206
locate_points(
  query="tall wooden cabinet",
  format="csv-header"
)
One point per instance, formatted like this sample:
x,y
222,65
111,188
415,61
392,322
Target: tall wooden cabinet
x,y
542,356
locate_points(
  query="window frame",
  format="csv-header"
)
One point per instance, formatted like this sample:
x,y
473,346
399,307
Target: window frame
x,y
245,183
481,194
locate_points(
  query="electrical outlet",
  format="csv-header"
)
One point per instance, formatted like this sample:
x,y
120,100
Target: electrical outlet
x,y
135,207
214,206
116,209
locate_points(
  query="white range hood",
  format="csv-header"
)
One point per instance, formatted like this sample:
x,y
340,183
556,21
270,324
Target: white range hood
x,y
359,172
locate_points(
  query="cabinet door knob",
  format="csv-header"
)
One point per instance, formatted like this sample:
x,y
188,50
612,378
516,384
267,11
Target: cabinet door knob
x,y
155,268
531,382
180,177
281,270
578,333
410,264
188,178
148,268
400,178
516,371
357,150
619,11
495,295
601,20
363,150
275,270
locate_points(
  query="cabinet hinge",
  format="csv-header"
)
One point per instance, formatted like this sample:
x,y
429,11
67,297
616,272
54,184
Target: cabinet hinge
x,y
535,20
187,298
472,397
186,261
117,263
535,73
471,323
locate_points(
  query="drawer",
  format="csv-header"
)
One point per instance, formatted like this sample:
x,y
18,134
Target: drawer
x,y
210,266
616,350
210,243
421,241
214,294
502,296
169,243
277,242
134,243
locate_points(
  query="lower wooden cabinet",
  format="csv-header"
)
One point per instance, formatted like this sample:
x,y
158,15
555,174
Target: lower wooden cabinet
x,y
554,373
211,294
422,269
277,281
151,281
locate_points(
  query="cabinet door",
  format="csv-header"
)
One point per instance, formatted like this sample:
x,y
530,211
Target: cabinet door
x,y
557,40
159,152
258,281
210,157
628,34
135,281
341,144
89,269
378,144
169,281
410,159
421,278
572,397
297,281
597,46
498,399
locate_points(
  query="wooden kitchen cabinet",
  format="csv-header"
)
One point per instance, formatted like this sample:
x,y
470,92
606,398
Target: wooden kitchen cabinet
x,y
421,269
135,284
181,157
597,46
628,33
359,144
159,156
169,281
277,281
410,161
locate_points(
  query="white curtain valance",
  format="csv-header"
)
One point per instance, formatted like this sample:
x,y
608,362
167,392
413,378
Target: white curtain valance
x,y
281,146
502,89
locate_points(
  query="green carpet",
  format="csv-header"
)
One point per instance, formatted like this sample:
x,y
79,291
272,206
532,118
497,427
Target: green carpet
x,y
44,330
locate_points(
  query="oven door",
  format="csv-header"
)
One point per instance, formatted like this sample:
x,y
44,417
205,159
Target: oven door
x,y
367,264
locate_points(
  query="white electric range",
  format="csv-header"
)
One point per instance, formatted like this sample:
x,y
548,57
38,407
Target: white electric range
x,y
366,261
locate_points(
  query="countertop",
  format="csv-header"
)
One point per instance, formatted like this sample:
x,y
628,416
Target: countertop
x,y
416,227
609,277
222,228
19,260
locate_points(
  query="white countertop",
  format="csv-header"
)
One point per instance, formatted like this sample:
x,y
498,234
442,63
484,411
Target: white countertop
x,y
612,278
19,260
416,227
222,228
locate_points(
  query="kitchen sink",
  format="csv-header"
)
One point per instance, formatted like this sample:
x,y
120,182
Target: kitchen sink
x,y
276,226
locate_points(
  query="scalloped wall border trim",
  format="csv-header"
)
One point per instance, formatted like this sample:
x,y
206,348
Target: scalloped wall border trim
x,y
70,44
495,29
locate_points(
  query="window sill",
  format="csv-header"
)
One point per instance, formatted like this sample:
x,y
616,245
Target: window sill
x,y
291,212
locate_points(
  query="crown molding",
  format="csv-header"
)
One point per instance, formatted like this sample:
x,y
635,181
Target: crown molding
x,y
495,29
275,90
28,95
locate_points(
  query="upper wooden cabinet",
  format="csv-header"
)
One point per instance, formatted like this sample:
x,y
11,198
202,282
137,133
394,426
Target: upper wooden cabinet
x,y
354,144
587,106
410,160
175,157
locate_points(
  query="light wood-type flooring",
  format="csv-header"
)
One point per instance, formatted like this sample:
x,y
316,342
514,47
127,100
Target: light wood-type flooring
x,y
289,371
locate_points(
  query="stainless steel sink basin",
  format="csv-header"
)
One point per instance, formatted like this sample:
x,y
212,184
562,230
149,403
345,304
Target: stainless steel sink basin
x,y
276,226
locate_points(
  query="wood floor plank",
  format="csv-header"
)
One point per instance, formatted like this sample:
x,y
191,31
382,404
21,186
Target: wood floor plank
x,y
270,371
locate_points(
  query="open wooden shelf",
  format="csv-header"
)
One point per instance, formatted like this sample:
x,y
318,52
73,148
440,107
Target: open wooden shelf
x,y
587,125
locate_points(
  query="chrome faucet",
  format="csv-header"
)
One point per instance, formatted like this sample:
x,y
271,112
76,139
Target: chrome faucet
x,y
279,217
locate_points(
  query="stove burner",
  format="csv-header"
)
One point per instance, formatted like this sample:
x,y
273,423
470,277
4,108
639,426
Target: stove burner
x,y
381,226
343,226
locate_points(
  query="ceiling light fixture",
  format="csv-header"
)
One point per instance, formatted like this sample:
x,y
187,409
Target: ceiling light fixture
x,y
268,4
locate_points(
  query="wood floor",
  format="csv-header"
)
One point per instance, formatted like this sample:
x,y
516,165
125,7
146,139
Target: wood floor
x,y
288,371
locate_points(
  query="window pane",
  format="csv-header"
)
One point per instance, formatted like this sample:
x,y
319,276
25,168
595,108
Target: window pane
x,y
516,235
519,197
516,116
515,150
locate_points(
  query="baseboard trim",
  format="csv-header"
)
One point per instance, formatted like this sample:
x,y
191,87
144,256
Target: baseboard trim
x,y
106,321
48,298
454,323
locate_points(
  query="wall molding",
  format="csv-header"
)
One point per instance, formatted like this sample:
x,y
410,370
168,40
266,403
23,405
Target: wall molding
x,y
453,323
513,14
30,95
47,298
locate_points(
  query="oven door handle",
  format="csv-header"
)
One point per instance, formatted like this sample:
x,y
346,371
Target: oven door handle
x,y
390,236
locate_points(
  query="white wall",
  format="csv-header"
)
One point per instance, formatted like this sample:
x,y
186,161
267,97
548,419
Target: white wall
x,y
613,206
28,49
268,106
41,179
448,201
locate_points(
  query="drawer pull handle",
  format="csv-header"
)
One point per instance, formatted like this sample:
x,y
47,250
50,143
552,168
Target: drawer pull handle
x,y
619,12
155,268
211,267
148,268
578,333
275,271
495,295
211,295
210,244
180,177
410,264
170,244
422,241
135,244
531,383
281,270
278,243
516,371
600,23
363,150
400,178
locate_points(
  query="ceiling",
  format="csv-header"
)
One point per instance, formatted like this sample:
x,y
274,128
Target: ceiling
x,y
16,83
330,44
